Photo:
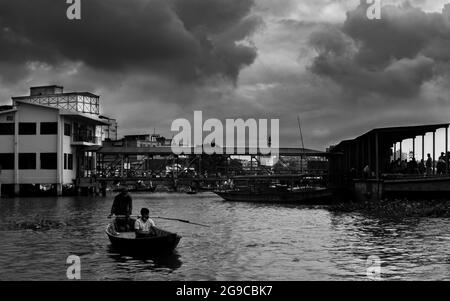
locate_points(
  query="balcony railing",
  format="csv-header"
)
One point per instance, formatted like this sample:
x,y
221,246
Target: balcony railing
x,y
86,139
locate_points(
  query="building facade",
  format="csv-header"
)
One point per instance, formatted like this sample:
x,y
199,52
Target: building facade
x,y
109,131
43,139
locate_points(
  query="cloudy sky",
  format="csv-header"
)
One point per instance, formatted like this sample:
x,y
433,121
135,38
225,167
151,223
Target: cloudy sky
x,y
153,61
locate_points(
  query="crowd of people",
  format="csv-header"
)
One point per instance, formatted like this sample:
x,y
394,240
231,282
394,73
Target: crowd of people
x,y
422,167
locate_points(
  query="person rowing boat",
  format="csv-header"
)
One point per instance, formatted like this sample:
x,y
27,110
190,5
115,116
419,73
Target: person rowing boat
x,y
122,206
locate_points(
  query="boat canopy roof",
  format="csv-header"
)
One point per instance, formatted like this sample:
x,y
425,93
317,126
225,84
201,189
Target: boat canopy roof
x,y
375,149
391,135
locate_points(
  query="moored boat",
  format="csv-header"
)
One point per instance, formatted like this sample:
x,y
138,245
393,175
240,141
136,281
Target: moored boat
x,y
276,189
126,241
302,196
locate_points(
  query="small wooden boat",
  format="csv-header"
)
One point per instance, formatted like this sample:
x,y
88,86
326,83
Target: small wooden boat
x,y
126,241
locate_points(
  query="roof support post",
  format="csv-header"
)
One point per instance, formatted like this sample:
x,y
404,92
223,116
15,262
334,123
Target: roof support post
x,y
363,157
414,148
395,151
423,147
377,159
446,150
358,161
434,152
401,151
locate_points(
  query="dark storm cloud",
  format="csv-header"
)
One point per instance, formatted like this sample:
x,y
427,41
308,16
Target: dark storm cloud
x,y
393,56
185,40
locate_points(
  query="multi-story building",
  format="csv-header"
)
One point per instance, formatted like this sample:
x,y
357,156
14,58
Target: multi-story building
x,y
109,131
44,136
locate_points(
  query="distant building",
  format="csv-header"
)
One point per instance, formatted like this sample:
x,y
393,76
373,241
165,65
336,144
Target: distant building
x,y
44,136
146,140
109,131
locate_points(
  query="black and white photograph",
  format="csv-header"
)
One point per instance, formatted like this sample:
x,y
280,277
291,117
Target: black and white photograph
x,y
224,141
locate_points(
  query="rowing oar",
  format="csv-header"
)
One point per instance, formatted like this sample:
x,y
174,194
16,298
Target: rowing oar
x,y
180,220
167,218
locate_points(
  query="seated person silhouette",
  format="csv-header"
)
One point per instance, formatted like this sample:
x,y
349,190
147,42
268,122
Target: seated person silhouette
x,y
144,225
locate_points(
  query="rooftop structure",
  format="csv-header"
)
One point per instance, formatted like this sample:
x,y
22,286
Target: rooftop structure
x,y
54,96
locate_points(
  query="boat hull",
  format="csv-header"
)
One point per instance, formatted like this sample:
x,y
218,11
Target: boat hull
x,y
412,187
313,196
124,242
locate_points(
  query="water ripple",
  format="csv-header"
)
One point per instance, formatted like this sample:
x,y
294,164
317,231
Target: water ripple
x,y
245,242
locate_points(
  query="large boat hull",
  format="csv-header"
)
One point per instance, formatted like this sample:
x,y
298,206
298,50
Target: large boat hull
x,y
313,196
412,187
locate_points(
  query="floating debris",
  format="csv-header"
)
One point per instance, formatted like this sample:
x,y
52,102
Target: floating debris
x,y
41,225
397,208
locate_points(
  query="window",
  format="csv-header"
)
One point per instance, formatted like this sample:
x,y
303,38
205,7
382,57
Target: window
x,y
67,129
49,128
7,128
70,161
27,128
27,161
6,161
49,161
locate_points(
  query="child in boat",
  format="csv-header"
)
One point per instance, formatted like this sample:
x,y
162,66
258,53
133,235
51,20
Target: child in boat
x,y
144,225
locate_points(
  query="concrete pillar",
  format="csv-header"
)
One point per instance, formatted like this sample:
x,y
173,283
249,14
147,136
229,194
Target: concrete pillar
x,y
16,189
59,157
16,152
59,189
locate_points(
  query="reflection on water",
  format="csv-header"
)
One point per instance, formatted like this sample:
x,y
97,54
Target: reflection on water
x,y
245,242
141,262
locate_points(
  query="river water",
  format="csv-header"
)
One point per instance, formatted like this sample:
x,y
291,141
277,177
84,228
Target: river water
x,y
245,242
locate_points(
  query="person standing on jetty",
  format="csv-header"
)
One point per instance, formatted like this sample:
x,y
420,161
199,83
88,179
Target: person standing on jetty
x,y
122,206
428,164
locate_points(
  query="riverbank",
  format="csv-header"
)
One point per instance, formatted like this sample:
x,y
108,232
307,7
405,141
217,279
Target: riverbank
x,y
397,208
